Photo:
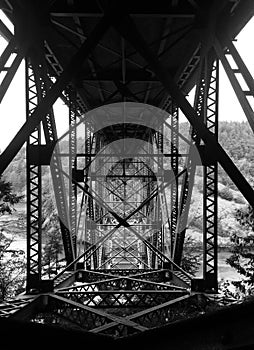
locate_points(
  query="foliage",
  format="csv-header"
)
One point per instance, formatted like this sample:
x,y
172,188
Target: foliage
x,y
225,193
228,226
233,290
7,198
53,247
245,216
190,260
12,262
16,172
12,269
242,258
237,140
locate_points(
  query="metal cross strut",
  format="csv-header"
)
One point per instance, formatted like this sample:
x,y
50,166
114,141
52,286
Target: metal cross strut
x,y
123,174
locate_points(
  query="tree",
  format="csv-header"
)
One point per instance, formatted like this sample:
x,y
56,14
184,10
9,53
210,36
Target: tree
x,y
12,262
190,260
7,198
12,269
53,245
242,258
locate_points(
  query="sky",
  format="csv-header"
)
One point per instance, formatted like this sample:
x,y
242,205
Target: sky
x,y
12,108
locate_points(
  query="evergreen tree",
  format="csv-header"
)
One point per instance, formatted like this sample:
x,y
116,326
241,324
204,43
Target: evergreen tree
x,y
190,260
53,246
7,198
242,258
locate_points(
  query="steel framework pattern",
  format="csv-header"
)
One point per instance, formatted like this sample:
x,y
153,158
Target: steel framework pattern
x,y
210,186
72,167
174,166
34,191
190,166
115,188
124,197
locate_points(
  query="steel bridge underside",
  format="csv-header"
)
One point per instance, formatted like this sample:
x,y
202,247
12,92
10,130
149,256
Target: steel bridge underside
x,y
123,188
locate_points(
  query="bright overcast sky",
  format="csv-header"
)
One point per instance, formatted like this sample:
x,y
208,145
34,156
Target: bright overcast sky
x,y
12,108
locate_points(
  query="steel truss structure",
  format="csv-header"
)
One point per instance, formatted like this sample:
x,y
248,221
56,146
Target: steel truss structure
x,y
123,184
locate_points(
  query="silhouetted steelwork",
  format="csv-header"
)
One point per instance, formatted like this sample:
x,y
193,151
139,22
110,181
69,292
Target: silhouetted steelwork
x,y
123,226
210,230
34,189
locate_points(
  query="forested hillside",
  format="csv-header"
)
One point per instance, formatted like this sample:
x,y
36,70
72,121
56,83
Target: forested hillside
x,y
238,141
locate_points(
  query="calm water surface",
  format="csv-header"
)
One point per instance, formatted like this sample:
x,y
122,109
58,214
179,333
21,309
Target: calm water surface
x,y
225,271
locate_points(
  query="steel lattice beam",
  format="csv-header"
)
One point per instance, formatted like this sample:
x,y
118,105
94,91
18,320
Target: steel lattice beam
x,y
190,166
174,167
72,168
33,173
87,318
127,298
118,283
157,315
210,193
50,133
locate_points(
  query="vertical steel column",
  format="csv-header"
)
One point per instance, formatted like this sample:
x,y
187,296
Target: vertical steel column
x,y
72,168
49,127
160,243
34,208
174,167
96,209
156,146
210,206
90,211
151,209
189,175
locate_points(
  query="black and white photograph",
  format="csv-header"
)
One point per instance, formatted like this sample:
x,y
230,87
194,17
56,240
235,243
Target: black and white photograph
x,y
127,174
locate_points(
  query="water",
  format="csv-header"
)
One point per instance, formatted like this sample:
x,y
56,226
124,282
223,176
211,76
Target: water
x,y
225,271
19,244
